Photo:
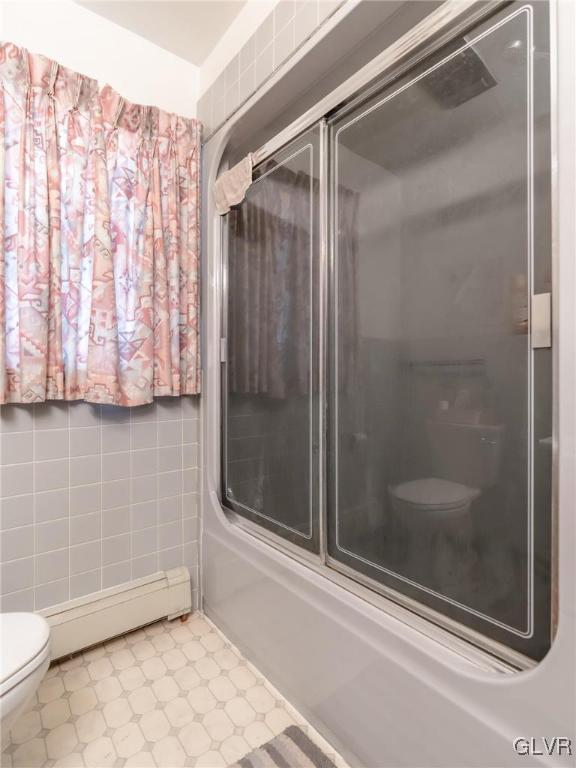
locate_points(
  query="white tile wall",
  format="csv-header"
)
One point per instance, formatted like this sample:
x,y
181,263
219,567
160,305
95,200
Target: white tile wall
x,y
93,496
288,25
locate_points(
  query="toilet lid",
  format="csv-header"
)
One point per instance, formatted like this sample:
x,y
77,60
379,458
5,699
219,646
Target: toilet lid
x,y
23,638
435,492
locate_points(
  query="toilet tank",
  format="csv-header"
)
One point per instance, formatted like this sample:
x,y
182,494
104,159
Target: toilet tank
x,y
466,453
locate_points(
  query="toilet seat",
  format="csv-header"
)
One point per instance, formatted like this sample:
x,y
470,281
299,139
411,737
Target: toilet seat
x,y
25,643
434,493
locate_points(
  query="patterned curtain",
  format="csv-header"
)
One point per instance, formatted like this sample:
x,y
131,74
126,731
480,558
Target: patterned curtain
x,y
99,218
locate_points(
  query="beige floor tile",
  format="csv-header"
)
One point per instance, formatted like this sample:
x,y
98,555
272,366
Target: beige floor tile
x,y
154,668
61,741
207,668
143,650
212,642
198,626
218,725
55,713
158,628
195,739
154,725
174,659
163,642
242,678
116,644
165,689
169,752
73,760
128,740
100,669
179,712
180,634
108,690
71,663
122,659
90,726
172,694
141,760
27,727
135,637
193,650
257,734
117,713
240,711
222,688
142,700
32,753
76,679
234,748
261,699
100,753
201,699
226,659
83,701
211,759
131,678
96,652
50,689
279,719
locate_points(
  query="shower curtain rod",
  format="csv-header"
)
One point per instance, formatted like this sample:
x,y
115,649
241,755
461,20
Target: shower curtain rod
x,y
446,21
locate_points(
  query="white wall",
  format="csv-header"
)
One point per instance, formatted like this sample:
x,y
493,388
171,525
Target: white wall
x,y
80,39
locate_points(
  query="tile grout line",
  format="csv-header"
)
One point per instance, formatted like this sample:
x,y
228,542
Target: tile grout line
x,y
157,502
69,504
34,504
130,496
181,506
101,428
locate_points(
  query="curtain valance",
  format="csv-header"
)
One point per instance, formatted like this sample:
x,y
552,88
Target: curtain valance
x,y
99,224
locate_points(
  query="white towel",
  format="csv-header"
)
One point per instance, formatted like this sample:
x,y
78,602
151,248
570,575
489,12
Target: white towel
x,y
230,188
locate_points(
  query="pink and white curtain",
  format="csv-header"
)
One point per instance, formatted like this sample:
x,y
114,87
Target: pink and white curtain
x,y
99,225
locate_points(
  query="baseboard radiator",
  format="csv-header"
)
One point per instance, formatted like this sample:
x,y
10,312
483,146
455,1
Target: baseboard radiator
x,y
89,620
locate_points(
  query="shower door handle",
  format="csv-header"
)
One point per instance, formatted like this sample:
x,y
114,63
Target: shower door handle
x,y
223,349
541,321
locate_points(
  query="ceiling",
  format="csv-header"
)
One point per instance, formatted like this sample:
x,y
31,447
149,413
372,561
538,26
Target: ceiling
x,y
188,28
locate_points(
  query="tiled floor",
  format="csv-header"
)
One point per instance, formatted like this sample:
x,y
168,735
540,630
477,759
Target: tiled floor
x,y
171,694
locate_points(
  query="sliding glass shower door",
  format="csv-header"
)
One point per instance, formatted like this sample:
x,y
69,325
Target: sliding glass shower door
x,y
440,415
423,468
271,419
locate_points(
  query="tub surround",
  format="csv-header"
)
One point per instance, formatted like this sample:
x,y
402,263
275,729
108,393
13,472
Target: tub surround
x,y
277,38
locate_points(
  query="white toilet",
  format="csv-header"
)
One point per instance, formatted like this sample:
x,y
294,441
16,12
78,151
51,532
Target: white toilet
x,y
24,660
465,460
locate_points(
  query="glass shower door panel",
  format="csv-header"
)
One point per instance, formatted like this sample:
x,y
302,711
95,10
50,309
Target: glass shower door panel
x,y
439,475
270,435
